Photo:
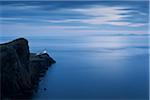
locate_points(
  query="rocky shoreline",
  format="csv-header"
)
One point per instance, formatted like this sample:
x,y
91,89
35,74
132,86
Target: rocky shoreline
x,y
20,69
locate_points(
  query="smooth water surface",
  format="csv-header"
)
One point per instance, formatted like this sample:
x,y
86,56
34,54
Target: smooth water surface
x,y
94,67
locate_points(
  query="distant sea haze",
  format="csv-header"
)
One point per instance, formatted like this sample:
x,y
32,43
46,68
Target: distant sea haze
x,y
125,44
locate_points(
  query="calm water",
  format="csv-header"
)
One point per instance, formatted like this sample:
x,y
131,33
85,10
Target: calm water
x,y
93,67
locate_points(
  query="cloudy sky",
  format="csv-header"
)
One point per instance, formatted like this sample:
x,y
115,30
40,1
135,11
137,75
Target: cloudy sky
x,y
51,17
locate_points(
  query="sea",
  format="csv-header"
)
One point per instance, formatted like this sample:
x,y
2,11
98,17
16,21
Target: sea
x,y
93,67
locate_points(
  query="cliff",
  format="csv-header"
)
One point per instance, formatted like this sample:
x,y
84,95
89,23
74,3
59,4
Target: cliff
x,y
20,70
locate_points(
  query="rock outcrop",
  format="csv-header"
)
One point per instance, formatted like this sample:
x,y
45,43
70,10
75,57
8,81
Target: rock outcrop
x,y
20,70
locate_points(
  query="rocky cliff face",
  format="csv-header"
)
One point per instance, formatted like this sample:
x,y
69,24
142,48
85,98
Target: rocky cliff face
x,y
20,69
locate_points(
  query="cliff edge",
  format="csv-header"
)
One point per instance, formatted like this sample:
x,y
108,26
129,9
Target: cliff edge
x,y
20,70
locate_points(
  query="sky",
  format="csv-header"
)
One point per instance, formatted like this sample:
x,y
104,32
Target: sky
x,y
73,17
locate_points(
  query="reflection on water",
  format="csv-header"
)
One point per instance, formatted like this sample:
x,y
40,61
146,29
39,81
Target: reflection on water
x,y
94,67
94,76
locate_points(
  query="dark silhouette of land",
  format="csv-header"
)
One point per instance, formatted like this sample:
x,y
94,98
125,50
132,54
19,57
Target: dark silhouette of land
x,y
20,69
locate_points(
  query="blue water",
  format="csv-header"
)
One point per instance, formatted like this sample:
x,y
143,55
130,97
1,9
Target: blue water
x,y
93,67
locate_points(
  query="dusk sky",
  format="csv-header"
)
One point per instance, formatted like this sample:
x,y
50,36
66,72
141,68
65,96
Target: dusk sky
x,y
26,18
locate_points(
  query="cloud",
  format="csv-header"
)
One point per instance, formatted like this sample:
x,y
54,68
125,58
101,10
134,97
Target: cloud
x,y
101,15
69,27
64,20
61,13
127,24
137,25
10,19
102,11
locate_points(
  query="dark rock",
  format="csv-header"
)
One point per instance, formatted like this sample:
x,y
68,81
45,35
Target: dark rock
x,y
44,89
20,69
